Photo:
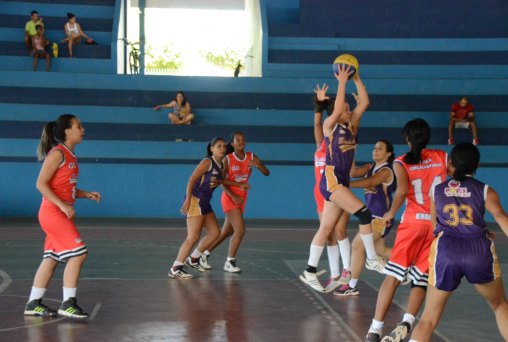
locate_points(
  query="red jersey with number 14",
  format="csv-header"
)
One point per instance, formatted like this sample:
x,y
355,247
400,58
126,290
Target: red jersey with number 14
x,y
422,177
239,170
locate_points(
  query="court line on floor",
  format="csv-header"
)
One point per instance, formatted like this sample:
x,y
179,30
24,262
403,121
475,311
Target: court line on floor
x,y
328,307
6,280
94,311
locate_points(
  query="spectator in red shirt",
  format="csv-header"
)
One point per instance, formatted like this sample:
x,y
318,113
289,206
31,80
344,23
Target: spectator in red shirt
x,y
462,116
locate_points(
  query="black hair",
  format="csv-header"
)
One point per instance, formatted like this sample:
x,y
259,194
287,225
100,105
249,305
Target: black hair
x,y
70,16
184,102
213,142
417,133
53,133
37,27
33,12
389,148
465,158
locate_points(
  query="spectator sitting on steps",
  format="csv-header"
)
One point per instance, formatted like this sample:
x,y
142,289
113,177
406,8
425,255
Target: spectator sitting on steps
x,y
182,113
73,34
462,116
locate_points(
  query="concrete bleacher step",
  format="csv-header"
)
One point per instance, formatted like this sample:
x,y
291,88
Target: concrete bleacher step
x,y
54,35
230,117
61,65
57,23
93,9
68,2
81,51
171,152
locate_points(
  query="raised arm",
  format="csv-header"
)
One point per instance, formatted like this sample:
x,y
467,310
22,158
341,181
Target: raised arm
x,y
320,104
340,100
362,101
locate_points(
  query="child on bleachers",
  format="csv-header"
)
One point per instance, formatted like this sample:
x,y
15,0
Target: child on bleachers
x,y
40,47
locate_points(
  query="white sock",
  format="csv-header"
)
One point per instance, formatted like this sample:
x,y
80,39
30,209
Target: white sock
x,y
69,292
345,253
376,327
206,253
196,254
353,282
368,242
409,319
36,293
230,258
333,260
177,263
315,255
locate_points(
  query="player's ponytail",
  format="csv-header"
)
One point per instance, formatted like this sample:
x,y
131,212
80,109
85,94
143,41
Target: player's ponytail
x,y
417,134
465,158
53,133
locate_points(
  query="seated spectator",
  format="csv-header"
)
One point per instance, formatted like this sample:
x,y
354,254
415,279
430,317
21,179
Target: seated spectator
x,y
462,116
30,29
41,47
74,33
182,114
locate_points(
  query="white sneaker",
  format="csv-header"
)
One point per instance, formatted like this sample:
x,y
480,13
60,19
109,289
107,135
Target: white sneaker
x,y
203,262
312,280
399,333
230,266
194,265
345,277
376,264
178,272
332,284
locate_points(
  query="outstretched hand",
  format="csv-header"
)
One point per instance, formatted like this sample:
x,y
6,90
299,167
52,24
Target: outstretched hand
x,y
321,92
345,71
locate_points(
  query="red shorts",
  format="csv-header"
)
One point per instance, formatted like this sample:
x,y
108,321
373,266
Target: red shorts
x,y
410,253
228,204
320,201
62,237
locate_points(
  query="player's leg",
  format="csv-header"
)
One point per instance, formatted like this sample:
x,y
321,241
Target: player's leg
x,y
434,307
235,216
345,199
494,294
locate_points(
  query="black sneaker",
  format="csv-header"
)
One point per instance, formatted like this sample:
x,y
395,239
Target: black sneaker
x,y
70,308
373,337
36,308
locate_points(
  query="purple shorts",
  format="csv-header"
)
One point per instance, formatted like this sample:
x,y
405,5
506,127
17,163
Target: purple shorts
x,y
453,258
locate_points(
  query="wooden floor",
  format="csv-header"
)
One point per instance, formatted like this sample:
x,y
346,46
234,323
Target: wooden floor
x,y
125,288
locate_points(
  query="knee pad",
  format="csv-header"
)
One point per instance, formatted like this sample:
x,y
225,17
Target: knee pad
x,y
364,215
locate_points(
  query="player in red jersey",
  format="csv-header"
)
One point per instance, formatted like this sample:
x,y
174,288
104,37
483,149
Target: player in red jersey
x,y
238,166
57,184
417,172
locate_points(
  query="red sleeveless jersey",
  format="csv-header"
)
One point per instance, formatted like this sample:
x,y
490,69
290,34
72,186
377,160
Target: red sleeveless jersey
x,y
63,183
239,171
422,177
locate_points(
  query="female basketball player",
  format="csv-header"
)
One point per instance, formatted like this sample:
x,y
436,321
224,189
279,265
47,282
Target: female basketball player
x,y
341,144
379,184
417,172
57,183
238,166
202,183
343,248
463,247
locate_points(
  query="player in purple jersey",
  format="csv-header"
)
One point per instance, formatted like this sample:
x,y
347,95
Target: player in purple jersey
x,y
207,176
463,246
379,183
340,140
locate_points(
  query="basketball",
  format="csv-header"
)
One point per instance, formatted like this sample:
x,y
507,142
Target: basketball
x,y
346,59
